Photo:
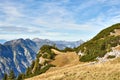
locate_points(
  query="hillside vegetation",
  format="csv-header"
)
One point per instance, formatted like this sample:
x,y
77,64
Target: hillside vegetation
x,y
87,71
106,32
100,44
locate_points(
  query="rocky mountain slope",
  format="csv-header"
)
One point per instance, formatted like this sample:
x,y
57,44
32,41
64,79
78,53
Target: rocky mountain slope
x,y
18,54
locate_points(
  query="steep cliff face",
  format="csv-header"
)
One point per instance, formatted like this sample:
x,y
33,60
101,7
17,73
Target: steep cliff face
x,y
16,55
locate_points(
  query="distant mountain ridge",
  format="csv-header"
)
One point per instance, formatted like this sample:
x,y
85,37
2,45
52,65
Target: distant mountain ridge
x,y
18,54
60,44
2,41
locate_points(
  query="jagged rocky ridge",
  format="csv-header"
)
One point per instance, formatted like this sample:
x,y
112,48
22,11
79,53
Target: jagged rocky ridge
x,y
18,54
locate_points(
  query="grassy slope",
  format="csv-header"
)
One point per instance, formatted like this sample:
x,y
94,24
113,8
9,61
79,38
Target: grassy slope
x,y
64,58
103,71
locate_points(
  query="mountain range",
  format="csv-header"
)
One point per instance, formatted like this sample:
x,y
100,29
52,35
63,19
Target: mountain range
x,y
18,54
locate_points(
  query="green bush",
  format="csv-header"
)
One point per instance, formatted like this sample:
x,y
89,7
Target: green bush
x,y
43,70
20,77
111,56
46,52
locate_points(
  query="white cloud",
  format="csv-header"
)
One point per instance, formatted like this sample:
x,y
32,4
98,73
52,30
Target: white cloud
x,y
84,5
59,18
56,19
11,11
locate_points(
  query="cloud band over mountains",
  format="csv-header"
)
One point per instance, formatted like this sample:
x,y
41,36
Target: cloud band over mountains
x,y
56,19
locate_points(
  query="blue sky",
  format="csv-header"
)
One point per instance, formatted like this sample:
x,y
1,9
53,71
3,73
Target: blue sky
x,y
56,19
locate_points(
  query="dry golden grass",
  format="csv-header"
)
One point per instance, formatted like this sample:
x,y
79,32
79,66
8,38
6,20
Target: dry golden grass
x,y
63,59
84,71
116,32
117,47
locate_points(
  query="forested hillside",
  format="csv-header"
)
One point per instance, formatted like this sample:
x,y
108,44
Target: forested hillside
x,y
100,44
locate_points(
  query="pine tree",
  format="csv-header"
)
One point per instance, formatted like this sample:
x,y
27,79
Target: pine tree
x,y
28,72
32,65
11,75
20,77
36,65
5,77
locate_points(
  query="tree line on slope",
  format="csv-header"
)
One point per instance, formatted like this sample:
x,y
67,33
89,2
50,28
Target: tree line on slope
x,y
104,33
99,45
98,48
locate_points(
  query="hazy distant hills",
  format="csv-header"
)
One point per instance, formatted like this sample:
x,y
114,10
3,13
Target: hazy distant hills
x,y
18,54
58,44
2,41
